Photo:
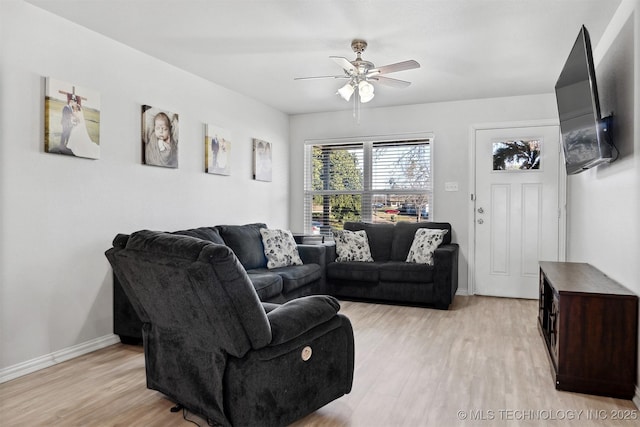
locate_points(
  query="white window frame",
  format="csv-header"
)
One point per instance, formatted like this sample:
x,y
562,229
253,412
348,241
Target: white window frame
x,y
367,192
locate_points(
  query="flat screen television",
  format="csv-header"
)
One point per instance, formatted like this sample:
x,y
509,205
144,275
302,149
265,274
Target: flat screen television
x,y
585,134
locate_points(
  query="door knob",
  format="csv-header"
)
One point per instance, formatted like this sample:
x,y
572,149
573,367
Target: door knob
x,y
481,221
480,210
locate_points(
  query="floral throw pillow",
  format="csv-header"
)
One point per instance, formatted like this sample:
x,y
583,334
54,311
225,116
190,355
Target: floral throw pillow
x,y
425,242
352,246
280,248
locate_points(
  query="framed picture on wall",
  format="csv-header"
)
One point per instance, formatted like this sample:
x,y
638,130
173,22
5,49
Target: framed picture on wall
x,y
261,160
72,119
217,148
159,137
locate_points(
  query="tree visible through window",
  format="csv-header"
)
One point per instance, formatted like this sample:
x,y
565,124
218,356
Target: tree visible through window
x,y
516,155
367,181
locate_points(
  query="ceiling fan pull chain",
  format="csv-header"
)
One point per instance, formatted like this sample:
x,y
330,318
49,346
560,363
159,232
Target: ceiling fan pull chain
x,y
356,106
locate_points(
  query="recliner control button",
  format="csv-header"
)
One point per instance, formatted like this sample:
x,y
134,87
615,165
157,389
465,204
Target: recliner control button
x,y
306,353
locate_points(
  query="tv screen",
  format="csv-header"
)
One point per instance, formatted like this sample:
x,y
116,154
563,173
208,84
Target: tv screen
x,y
584,133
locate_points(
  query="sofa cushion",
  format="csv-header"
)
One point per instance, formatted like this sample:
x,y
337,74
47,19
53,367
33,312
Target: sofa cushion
x,y
354,270
352,246
205,233
267,285
280,248
398,271
246,242
379,237
404,233
295,276
425,242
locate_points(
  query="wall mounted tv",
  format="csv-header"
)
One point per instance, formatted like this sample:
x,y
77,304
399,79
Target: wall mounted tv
x,y
586,136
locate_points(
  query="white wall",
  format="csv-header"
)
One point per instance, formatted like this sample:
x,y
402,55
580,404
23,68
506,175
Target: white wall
x,y
59,213
603,204
450,123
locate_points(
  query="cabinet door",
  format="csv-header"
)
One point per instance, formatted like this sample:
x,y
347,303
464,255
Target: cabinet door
x,y
554,328
541,316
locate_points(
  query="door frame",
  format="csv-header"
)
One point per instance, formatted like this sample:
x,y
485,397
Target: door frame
x,y
562,191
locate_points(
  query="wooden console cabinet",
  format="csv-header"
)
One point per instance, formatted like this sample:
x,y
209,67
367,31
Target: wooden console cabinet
x,y
590,326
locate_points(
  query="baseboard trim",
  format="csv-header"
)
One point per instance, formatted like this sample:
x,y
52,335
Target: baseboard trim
x,y
42,362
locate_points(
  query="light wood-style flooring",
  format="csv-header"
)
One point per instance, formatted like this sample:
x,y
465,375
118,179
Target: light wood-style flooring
x,y
482,362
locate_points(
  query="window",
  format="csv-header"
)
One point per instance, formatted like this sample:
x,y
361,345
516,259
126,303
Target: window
x,y
372,181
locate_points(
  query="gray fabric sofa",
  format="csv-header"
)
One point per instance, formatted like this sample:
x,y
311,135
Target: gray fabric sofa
x,y
277,285
390,278
213,347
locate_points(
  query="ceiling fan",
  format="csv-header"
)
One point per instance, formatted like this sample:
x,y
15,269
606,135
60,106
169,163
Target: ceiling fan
x,y
360,73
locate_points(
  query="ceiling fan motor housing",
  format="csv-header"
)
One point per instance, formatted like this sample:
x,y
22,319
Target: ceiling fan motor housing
x,y
362,66
358,46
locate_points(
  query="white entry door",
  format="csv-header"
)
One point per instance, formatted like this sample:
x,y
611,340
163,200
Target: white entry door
x,y
516,208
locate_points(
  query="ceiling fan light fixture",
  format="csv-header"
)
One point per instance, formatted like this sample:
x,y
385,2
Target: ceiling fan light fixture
x,y
359,71
346,91
365,90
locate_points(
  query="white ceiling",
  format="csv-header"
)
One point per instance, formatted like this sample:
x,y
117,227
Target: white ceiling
x,y
468,49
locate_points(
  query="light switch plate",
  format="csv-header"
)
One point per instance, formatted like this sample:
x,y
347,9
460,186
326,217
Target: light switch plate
x,y
450,186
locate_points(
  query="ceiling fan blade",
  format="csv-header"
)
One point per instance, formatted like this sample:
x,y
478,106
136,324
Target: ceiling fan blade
x,y
344,63
321,77
387,81
393,68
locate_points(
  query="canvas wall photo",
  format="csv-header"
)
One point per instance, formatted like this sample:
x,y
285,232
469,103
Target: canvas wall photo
x,y
217,150
261,160
159,137
72,119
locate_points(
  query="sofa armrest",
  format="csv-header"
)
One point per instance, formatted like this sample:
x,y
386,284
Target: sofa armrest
x,y
315,254
331,253
312,254
300,315
445,277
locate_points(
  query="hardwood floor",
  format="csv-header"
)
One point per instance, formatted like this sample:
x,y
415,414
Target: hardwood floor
x,y
481,363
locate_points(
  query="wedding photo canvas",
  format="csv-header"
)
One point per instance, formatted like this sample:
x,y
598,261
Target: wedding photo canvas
x,y
72,119
217,150
159,137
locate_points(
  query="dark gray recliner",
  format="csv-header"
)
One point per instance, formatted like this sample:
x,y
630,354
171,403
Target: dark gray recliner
x,y
213,347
